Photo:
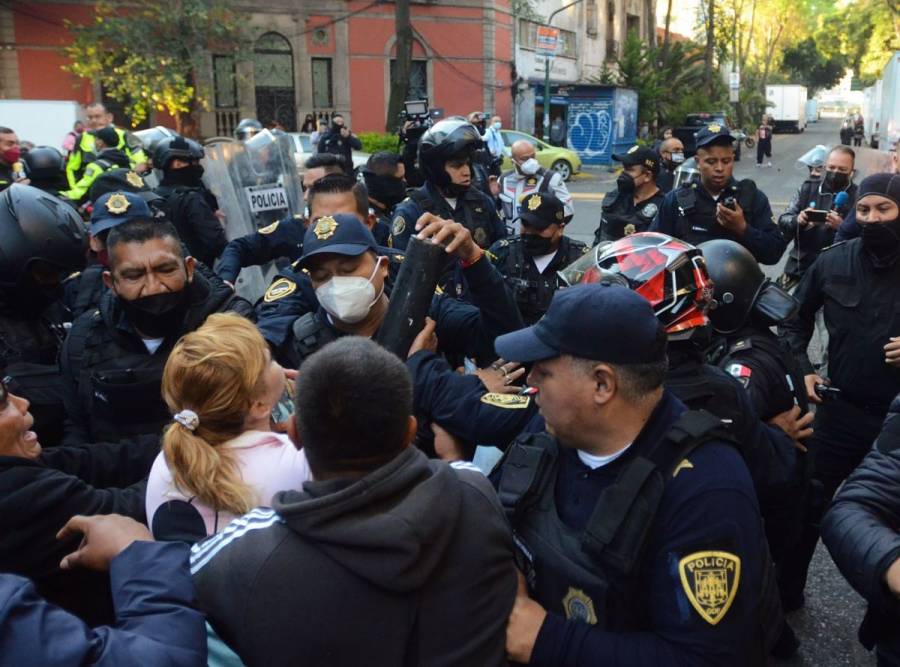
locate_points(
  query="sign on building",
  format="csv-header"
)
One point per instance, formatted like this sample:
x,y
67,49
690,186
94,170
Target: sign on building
x,y
547,40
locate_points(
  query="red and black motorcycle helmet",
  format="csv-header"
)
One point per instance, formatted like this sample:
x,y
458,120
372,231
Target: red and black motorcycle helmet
x,y
668,272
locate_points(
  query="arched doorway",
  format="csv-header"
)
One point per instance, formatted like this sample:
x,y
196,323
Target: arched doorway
x,y
273,61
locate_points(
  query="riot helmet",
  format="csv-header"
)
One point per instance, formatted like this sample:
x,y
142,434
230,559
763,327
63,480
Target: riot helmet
x,y
813,160
38,230
174,148
687,172
149,139
447,139
43,163
668,272
741,290
247,128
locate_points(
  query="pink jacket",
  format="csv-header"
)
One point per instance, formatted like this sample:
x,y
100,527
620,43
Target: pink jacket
x,y
269,462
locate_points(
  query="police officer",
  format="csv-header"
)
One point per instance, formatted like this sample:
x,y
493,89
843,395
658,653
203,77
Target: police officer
x,y
855,282
86,151
43,241
810,236
671,156
634,203
126,180
247,128
445,157
188,204
114,356
83,292
108,156
44,168
719,206
746,305
529,176
385,179
348,272
530,260
636,521
340,141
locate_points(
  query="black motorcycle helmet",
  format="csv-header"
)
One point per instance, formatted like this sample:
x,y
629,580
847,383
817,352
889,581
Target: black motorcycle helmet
x,y
43,163
446,139
38,229
741,290
176,147
247,128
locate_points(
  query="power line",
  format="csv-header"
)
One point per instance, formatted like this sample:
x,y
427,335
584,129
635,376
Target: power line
x,y
457,70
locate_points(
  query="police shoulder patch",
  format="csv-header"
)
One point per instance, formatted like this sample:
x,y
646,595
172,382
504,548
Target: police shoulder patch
x,y
507,401
710,580
398,226
268,229
579,606
649,210
741,372
279,289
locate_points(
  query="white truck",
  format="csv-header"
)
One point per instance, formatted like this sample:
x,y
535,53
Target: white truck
x,y
787,107
889,116
43,122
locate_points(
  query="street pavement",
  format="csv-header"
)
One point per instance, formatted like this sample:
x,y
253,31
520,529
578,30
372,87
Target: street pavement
x,y
828,623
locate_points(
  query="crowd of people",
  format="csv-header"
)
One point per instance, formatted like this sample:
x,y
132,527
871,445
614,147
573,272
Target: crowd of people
x,y
191,476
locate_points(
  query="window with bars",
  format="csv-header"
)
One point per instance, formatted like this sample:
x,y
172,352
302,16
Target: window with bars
x,y
321,83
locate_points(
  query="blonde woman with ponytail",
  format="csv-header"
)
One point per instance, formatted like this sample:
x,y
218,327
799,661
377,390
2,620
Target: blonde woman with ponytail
x,y
219,457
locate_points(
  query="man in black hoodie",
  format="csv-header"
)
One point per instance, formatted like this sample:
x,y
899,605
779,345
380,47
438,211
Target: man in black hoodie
x,y
386,558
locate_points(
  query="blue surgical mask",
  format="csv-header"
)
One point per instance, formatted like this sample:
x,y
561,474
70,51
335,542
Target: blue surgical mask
x,y
497,125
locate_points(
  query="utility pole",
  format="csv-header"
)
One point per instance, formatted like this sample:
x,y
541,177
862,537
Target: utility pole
x,y
547,64
400,77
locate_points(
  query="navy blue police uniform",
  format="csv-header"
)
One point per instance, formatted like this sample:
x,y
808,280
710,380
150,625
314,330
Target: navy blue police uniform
x,y
655,557
283,238
621,214
689,213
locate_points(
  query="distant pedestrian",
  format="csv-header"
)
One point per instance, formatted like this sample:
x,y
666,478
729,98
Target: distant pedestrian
x,y
72,137
764,142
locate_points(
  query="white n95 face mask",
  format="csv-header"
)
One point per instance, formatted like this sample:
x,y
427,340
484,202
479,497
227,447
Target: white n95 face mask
x,y
349,298
530,167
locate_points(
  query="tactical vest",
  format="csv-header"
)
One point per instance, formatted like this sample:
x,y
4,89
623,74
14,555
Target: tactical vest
x,y
539,182
90,289
532,290
697,215
311,333
119,382
592,574
621,220
464,214
724,356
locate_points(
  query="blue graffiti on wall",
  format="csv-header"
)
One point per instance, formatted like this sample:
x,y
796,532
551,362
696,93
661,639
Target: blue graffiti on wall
x,y
591,129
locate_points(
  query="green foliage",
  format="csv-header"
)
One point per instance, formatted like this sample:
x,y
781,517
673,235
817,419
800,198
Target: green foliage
x,y
806,65
372,142
668,84
864,33
151,55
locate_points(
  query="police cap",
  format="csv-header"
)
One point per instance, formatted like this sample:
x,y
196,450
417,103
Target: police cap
x,y
542,209
114,208
646,157
340,234
714,135
598,321
120,180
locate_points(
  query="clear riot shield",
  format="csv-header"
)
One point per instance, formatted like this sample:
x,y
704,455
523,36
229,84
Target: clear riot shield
x,y
149,139
256,183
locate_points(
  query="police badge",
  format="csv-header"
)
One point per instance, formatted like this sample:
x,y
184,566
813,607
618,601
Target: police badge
x,y
629,229
325,227
117,204
579,606
534,201
134,179
710,580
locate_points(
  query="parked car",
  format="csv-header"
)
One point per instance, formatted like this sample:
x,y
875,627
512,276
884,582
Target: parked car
x,y
303,149
563,160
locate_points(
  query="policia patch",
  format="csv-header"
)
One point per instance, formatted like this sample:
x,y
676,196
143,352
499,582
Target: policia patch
x,y
280,289
710,580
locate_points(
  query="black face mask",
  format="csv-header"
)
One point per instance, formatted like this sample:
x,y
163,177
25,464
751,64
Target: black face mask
x,y
455,189
535,246
625,183
336,128
881,241
189,175
388,190
157,315
835,181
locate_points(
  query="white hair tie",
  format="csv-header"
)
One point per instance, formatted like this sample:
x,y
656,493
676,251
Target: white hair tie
x,y
188,419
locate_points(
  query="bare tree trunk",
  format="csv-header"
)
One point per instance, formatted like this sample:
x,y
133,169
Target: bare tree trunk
x,y
400,81
710,44
665,48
